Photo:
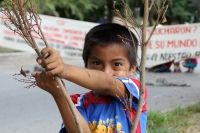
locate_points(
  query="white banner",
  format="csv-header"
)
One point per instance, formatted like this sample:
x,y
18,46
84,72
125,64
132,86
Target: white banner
x,y
174,42
67,36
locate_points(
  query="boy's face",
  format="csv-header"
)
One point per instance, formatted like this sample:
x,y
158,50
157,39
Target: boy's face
x,y
111,60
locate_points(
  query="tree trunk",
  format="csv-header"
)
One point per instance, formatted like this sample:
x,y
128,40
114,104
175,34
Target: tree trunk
x,y
142,68
151,18
110,8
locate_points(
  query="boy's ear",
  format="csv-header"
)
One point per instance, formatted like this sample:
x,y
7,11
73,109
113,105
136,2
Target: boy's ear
x,y
133,69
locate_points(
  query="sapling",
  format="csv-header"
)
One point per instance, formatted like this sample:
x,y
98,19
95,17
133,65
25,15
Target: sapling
x,y
21,17
130,22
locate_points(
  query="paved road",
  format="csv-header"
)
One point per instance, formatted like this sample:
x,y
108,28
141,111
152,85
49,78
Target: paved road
x,y
168,97
34,111
27,110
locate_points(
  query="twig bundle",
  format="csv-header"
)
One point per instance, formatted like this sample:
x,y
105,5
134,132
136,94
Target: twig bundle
x,y
22,18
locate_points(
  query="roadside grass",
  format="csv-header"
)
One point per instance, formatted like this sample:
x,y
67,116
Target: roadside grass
x,y
7,50
180,120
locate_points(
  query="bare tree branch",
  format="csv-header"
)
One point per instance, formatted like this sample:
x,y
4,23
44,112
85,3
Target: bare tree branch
x,y
130,22
22,18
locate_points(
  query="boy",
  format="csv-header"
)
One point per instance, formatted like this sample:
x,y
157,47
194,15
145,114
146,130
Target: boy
x,y
177,68
190,64
109,64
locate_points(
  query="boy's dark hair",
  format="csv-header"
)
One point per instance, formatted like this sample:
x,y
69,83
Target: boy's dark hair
x,y
107,34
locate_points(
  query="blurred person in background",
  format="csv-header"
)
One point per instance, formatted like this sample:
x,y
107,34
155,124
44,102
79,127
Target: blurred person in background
x,y
190,63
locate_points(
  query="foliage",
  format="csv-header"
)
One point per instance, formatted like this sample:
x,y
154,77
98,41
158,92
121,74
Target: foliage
x,y
163,130
47,7
7,50
182,11
74,9
99,11
66,8
179,11
174,121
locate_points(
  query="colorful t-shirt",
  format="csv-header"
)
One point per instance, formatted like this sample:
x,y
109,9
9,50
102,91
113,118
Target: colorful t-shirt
x,y
195,61
107,114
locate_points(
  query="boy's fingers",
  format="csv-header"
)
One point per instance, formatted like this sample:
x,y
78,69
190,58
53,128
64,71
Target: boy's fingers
x,y
36,75
52,59
47,51
33,74
52,64
43,76
50,55
56,71
46,55
39,61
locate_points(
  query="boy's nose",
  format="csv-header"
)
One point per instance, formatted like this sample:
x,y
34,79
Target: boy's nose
x,y
108,71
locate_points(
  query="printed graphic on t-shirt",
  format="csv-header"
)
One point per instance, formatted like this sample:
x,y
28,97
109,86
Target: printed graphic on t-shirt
x,y
110,125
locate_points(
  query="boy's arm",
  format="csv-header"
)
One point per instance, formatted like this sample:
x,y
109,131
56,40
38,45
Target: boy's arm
x,y
48,83
95,80
98,81
68,117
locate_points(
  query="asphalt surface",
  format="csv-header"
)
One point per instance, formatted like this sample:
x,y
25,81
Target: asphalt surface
x,y
34,111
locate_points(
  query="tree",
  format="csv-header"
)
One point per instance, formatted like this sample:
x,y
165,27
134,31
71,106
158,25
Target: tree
x,y
197,2
83,10
197,12
181,12
130,22
66,8
74,9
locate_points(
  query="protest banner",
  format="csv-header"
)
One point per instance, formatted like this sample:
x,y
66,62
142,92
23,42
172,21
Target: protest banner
x,y
64,35
173,42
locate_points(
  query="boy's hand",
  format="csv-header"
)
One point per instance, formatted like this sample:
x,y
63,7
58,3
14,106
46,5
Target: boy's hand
x,y
52,62
47,83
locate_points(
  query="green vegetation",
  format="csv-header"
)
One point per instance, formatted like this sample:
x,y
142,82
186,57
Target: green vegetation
x,y
180,120
179,11
7,50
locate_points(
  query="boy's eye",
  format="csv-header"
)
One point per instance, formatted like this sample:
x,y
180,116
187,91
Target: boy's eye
x,y
118,64
96,63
